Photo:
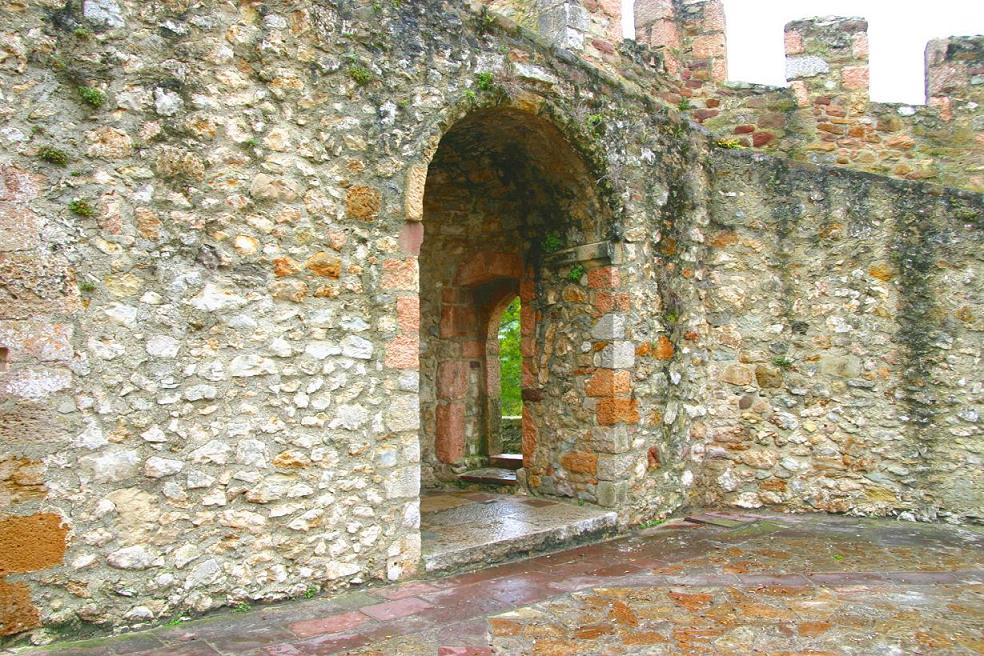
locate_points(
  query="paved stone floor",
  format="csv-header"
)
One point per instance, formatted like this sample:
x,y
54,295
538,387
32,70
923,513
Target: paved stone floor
x,y
468,528
721,584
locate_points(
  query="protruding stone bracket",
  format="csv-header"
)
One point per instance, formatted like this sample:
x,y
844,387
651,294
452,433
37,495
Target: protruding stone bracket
x,y
601,252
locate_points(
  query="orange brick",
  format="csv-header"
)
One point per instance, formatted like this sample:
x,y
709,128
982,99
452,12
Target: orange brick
x,y
617,411
580,462
609,383
663,349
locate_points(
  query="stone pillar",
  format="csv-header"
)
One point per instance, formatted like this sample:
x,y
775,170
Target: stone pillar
x,y
955,75
827,64
691,36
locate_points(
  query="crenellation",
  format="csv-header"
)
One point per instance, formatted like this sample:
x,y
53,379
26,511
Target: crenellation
x,y
825,115
828,57
691,36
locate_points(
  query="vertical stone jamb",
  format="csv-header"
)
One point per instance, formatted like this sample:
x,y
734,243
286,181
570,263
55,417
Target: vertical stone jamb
x,y
610,387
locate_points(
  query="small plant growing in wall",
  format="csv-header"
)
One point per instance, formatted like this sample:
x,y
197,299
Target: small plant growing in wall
x,y
484,81
242,607
552,243
596,123
783,363
53,156
82,207
311,592
360,74
87,286
92,97
684,104
729,144
576,273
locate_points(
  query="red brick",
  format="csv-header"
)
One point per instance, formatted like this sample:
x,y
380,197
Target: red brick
x,y
408,315
400,274
604,278
411,238
530,434
450,439
458,321
760,139
854,77
452,379
605,302
744,129
391,610
403,352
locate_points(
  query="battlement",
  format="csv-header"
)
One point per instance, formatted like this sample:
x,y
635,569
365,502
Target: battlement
x,y
691,35
828,57
825,115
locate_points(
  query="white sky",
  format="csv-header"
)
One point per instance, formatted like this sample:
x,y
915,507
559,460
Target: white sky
x,y
897,30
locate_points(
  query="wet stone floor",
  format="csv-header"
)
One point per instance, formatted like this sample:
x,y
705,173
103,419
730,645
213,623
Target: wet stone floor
x,y
716,583
469,528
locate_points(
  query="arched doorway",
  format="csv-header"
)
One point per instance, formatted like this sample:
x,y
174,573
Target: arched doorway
x,y
510,208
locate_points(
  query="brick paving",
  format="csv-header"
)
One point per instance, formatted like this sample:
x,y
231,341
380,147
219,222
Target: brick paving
x,y
716,584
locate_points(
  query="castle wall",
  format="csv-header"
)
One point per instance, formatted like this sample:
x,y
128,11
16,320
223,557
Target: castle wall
x,y
210,310
211,367
844,315
825,115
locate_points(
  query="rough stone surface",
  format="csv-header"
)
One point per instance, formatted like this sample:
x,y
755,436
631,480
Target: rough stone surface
x,y
217,328
708,584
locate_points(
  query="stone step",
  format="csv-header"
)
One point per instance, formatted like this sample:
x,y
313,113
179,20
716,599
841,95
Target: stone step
x,y
511,461
479,528
489,476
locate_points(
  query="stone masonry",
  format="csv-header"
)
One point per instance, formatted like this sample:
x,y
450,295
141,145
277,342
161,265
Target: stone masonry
x,y
252,253
825,115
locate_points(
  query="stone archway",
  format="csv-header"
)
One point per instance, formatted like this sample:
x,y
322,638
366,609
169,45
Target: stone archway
x,y
510,208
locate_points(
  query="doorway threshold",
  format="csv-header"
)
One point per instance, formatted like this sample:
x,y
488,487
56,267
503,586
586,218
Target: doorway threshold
x,y
463,529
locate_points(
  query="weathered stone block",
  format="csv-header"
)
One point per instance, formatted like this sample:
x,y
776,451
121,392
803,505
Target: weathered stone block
x,y
609,327
618,355
580,462
612,494
609,383
615,411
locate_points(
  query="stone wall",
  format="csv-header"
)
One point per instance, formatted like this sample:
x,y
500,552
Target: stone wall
x,y
251,253
825,115
844,315
211,309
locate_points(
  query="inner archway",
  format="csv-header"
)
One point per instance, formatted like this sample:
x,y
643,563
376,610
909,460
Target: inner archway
x,y
510,209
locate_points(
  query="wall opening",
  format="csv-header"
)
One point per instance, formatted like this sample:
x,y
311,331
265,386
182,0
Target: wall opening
x,y
510,363
508,207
